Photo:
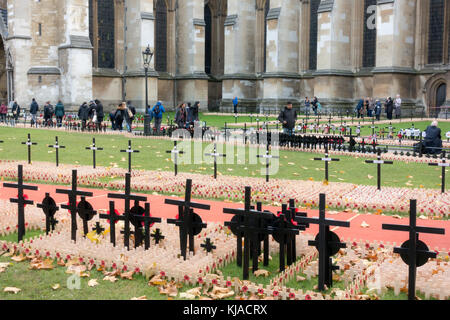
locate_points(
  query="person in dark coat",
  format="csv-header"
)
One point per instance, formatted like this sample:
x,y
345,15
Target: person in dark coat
x,y
133,111
181,116
83,115
378,109
15,110
100,114
235,105
59,113
288,118
389,105
189,115
433,139
195,109
48,114
34,109
359,108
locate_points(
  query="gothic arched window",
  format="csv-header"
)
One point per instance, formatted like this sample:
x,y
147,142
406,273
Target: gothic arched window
x,y
106,39
313,34
161,36
436,32
370,34
208,39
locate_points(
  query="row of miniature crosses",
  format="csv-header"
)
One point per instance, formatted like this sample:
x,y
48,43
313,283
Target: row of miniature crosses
x,y
326,142
251,226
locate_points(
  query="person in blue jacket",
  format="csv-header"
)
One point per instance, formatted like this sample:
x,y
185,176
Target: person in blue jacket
x,y
157,113
235,105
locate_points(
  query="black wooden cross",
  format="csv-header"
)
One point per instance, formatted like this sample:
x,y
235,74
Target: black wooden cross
x,y
374,145
49,207
21,201
326,242
86,213
94,148
292,215
148,221
127,196
373,127
56,146
244,225
413,252
157,235
130,151
215,154
72,206
352,141
175,152
112,218
267,156
283,231
326,160
391,130
444,165
98,228
379,162
208,245
264,222
190,224
29,144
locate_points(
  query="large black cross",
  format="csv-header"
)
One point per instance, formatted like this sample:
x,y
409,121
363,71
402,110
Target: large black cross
x,y
326,242
175,152
188,222
56,146
86,213
208,245
352,141
267,156
20,200
444,165
283,231
29,143
49,207
72,206
379,162
94,148
413,252
130,151
148,220
112,218
127,196
326,160
245,227
157,235
215,154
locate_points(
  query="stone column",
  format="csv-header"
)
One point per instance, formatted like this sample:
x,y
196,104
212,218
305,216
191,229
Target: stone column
x,y
19,44
140,33
394,72
334,75
239,75
191,80
281,79
75,52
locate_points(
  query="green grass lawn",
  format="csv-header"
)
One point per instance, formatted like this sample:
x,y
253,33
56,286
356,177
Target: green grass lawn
x,y
292,165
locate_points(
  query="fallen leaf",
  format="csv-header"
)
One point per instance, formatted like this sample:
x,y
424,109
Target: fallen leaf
x,y
127,275
187,296
19,258
93,283
365,225
56,286
396,216
110,278
300,278
157,281
370,177
140,298
12,290
261,273
195,291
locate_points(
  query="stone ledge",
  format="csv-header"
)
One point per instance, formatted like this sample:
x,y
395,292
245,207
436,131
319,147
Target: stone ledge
x,y
103,72
326,6
404,70
239,76
44,71
147,16
140,73
192,76
77,42
385,1
273,14
199,22
333,72
18,37
231,20
281,75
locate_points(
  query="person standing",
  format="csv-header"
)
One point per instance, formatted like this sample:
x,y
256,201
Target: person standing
x,y
288,118
181,116
157,113
371,108
235,105
398,107
195,109
3,112
15,111
131,114
359,108
83,115
389,105
307,106
314,105
100,114
48,114
378,109
34,109
59,113
189,115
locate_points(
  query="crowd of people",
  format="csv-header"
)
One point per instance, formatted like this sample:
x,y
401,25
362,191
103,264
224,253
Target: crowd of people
x,y
373,108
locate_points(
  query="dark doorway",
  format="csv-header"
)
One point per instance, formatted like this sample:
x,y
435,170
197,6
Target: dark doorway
x,y
208,39
161,36
441,96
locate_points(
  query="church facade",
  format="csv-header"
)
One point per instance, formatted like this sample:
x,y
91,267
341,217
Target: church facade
x,y
265,52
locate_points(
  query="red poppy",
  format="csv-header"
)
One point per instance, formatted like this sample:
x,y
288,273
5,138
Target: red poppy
x,y
308,297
